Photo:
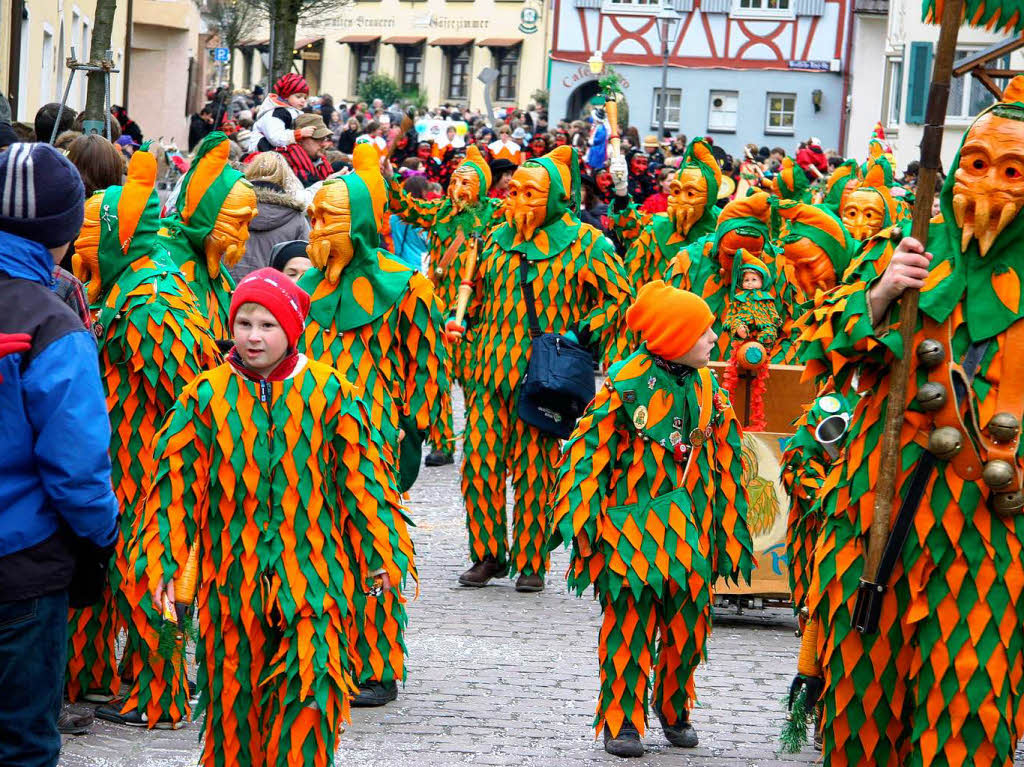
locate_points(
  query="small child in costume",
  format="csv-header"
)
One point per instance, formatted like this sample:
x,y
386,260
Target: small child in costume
x,y
753,320
275,118
268,461
649,497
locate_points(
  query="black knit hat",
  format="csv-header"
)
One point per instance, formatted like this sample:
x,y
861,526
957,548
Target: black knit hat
x,y
41,195
283,252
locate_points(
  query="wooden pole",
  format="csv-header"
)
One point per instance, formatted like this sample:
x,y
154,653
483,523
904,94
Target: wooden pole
x,y
931,149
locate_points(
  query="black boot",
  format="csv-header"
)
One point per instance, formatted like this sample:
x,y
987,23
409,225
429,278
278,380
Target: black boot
x,y
132,718
481,572
681,733
74,721
438,457
373,694
626,744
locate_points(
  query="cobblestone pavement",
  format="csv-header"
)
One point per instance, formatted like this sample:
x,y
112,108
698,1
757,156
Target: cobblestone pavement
x,y
502,678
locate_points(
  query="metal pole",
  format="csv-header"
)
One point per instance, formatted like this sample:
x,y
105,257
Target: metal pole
x,y
64,98
664,79
270,58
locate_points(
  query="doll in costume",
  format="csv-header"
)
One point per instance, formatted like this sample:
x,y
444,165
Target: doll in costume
x,y
753,322
650,500
209,226
579,286
269,461
941,681
450,224
654,240
379,324
153,342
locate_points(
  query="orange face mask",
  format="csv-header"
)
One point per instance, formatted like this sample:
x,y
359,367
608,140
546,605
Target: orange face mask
x,y
330,246
687,199
86,261
464,188
988,189
863,214
226,241
527,201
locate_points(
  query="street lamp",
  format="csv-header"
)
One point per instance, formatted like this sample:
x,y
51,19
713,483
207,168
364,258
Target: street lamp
x,y
667,24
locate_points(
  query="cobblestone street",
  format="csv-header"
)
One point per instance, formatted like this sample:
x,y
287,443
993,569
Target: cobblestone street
x,y
502,678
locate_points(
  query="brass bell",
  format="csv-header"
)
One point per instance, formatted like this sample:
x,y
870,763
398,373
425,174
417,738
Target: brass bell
x,y
931,396
1008,503
945,442
1004,427
930,353
997,473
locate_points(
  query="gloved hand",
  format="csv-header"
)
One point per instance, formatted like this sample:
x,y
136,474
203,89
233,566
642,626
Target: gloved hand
x,y
620,175
453,331
12,343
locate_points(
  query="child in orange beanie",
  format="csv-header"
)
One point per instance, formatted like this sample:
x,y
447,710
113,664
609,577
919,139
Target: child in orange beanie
x,y
650,499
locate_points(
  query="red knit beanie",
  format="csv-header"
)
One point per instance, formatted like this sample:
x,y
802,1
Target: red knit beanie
x,y
278,295
289,84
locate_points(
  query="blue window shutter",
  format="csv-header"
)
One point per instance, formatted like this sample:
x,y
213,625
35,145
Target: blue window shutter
x,y
919,75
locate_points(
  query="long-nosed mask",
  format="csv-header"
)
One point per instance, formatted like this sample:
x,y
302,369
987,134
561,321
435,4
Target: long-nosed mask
x,y
687,199
527,201
86,261
988,188
330,238
464,188
226,241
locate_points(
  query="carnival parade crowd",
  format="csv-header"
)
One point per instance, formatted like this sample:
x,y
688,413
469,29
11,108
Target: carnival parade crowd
x,y
214,402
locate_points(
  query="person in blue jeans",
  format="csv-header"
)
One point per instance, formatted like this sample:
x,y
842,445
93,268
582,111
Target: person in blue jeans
x,y
58,512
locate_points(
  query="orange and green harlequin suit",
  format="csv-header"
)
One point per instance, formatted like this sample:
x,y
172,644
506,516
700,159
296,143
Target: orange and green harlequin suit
x,y
651,240
380,326
445,225
152,344
649,495
579,285
285,489
942,682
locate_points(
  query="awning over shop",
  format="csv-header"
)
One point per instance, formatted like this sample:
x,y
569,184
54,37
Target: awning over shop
x,y
307,41
254,43
499,42
358,39
455,42
405,40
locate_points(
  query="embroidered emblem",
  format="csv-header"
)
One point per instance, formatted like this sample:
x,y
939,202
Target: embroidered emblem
x,y
629,396
652,382
675,438
677,423
696,438
640,417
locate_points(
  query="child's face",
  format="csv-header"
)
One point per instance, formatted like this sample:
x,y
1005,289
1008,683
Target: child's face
x,y
752,281
298,100
259,338
700,353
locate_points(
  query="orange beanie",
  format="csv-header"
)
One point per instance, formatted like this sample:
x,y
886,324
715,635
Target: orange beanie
x,y
670,320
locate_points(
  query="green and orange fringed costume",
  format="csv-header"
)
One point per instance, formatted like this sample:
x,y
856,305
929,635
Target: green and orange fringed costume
x,y
652,241
206,186
152,343
580,286
449,231
942,682
649,496
285,489
379,325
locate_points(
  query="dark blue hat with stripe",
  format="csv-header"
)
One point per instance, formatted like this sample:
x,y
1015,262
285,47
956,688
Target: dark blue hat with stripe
x,y
42,197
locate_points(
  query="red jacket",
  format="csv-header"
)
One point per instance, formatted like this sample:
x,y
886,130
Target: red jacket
x,y
812,155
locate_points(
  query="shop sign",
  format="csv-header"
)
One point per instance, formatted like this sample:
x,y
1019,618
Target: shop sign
x,y
583,74
810,66
528,20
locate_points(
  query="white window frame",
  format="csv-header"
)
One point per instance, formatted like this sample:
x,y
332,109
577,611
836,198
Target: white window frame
x,y
655,103
46,78
893,92
631,7
963,118
771,130
762,12
711,100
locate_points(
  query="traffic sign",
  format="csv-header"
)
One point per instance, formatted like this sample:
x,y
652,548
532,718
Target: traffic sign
x,y
221,54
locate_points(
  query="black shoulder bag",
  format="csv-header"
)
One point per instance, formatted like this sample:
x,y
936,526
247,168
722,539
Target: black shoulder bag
x,y
559,381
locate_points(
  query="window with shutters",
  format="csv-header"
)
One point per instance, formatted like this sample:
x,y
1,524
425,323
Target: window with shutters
x,y
506,61
892,94
411,66
967,96
780,113
458,74
366,61
919,72
758,9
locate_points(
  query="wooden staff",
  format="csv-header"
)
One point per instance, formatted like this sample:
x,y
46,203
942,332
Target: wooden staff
x,y
468,276
870,592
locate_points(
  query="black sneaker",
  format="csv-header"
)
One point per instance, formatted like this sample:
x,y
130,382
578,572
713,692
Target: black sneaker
x,y
193,693
626,744
438,458
681,733
373,694
133,718
74,721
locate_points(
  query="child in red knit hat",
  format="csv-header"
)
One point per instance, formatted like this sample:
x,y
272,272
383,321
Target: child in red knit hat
x,y
650,498
275,118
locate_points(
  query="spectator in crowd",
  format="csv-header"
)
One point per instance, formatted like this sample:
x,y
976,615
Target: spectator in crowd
x,y
593,208
305,157
199,126
658,202
501,174
410,242
128,126
98,161
280,211
812,159
47,116
58,513
347,138
290,258
655,157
